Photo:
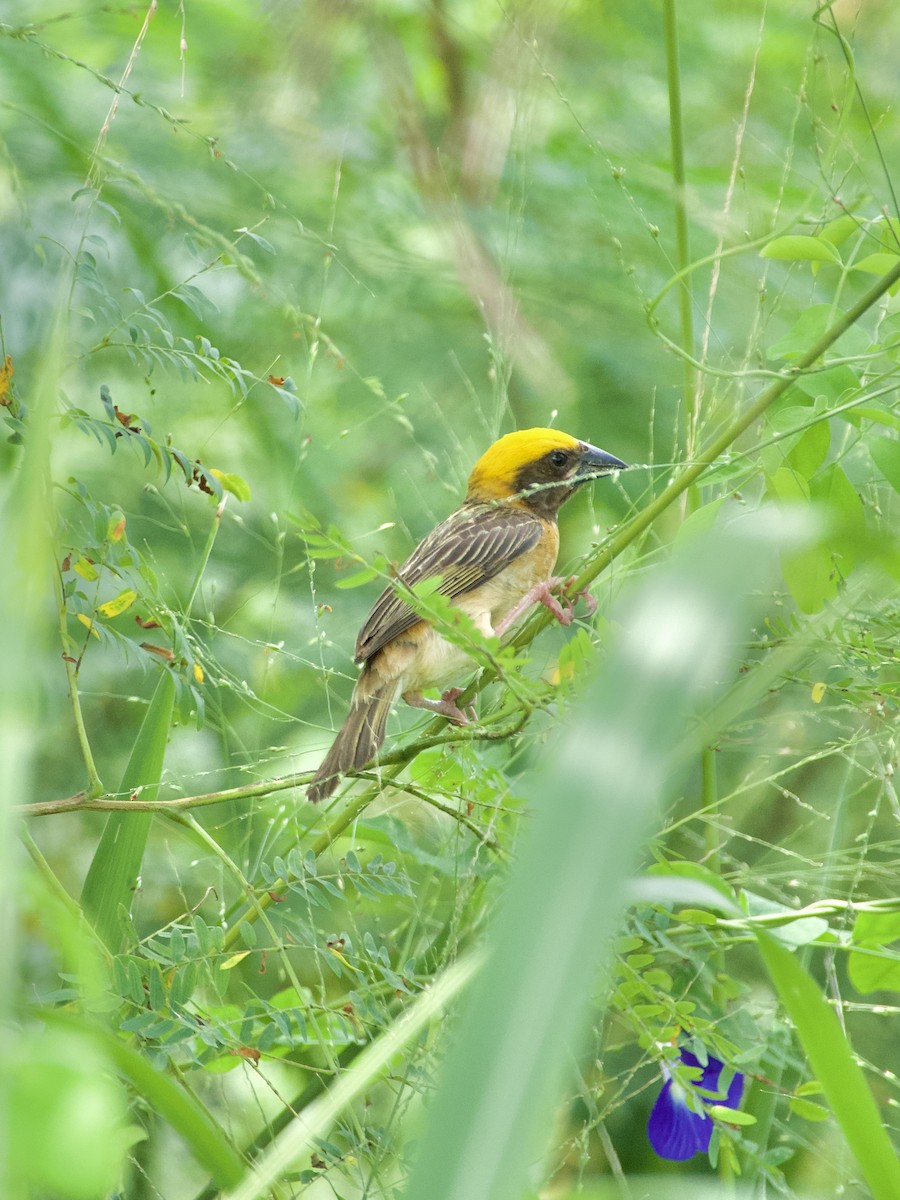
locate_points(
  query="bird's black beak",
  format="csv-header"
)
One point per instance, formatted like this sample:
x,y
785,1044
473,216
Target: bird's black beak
x,y
596,462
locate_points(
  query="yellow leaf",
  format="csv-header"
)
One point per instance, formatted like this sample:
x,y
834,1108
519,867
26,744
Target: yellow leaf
x,y
337,954
113,607
563,671
86,621
818,691
116,527
86,569
6,374
234,960
232,483
198,672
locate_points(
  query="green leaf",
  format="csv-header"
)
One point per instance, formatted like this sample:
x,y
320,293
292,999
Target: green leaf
x,y
696,916
812,1087
734,1116
810,449
810,326
835,1067
837,231
882,928
699,873
876,264
813,573
260,241
232,483
830,386
885,454
808,1109
872,966
112,876
802,443
358,578
796,931
801,248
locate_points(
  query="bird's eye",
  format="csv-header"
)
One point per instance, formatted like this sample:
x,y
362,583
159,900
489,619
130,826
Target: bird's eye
x,y
559,458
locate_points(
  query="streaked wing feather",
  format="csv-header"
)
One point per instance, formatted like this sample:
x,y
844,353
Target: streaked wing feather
x,y
471,546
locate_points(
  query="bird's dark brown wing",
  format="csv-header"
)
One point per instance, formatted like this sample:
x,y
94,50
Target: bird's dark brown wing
x,y
474,544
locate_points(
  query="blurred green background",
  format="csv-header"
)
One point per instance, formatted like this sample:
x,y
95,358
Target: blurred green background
x,y
331,251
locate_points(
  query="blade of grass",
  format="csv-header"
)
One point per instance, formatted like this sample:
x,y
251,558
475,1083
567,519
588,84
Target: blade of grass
x,y
317,1118
112,876
834,1066
25,519
312,1089
682,234
594,802
166,1097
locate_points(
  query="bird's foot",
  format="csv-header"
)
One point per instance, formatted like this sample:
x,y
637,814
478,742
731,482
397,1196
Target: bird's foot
x,y
543,593
590,600
445,707
450,697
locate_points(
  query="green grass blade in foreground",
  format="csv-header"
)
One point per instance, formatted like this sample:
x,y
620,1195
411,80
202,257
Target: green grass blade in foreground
x,y
109,886
26,557
834,1066
317,1118
594,803
165,1096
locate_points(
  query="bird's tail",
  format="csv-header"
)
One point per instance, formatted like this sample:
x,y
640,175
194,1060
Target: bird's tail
x,y
359,738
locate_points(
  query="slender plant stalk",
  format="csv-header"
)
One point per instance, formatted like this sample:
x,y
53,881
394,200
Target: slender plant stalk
x,y
204,557
200,835
682,234
318,1116
95,785
690,395
491,730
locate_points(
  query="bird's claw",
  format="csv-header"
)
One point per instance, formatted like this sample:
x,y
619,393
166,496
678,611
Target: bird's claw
x,y
457,715
590,600
565,612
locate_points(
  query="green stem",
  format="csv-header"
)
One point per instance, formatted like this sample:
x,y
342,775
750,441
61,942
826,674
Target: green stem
x,y
690,394
257,905
682,233
492,730
709,798
95,785
204,558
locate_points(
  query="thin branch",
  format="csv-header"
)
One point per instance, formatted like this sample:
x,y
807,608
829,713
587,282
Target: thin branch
x,y
491,731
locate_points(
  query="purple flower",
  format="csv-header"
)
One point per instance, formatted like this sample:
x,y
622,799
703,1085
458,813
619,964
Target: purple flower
x,y
677,1131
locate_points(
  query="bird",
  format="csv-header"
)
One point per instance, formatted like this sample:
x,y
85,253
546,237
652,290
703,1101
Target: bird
x,y
492,558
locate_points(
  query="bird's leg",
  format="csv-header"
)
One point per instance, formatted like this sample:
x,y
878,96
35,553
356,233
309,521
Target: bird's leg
x,y
542,593
445,706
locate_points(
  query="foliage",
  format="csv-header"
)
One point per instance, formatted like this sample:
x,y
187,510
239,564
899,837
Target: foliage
x,y
272,279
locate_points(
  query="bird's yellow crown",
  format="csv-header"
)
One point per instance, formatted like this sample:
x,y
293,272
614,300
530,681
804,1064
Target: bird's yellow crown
x,y
494,476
